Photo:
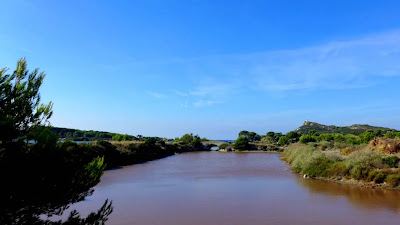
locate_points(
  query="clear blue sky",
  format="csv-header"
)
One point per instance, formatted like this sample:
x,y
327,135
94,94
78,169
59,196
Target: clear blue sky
x,y
165,68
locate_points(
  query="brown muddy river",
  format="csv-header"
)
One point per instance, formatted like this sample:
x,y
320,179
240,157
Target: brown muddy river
x,y
214,188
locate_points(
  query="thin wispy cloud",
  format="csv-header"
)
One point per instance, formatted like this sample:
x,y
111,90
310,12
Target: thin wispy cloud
x,y
348,64
202,103
207,94
156,94
337,65
179,93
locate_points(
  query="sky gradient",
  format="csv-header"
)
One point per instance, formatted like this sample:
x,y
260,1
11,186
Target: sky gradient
x,y
213,68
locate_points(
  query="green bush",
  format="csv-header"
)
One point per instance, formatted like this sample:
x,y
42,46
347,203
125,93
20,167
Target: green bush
x,y
361,162
307,159
223,146
371,175
318,167
241,143
304,139
338,169
391,161
379,178
339,138
284,140
393,180
196,142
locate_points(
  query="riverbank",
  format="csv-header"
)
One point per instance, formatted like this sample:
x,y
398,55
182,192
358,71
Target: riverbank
x,y
249,151
124,153
360,166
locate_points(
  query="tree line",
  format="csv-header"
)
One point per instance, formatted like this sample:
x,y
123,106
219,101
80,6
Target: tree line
x,y
246,137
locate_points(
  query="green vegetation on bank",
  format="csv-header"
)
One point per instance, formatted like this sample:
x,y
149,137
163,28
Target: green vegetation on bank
x,y
189,139
359,152
336,162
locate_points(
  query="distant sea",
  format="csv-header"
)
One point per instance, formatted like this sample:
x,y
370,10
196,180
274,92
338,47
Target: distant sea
x,y
227,141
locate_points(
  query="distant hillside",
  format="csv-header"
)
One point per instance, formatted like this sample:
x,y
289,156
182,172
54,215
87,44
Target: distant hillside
x,y
320,128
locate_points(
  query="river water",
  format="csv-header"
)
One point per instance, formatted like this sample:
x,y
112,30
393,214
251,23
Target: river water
x,y
234,189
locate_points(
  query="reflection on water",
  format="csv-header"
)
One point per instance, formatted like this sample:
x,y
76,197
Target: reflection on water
x,y
365,198
234,189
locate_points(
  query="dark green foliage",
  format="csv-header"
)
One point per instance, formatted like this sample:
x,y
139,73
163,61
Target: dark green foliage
x,y
45,178
367,136
390,134
306,138
273,137
360,166
353,140
251,136
161,142
325,137
337,169
20,107
196,142
393,180
319,168
151,141
339,138
223,146
42,178
392,161
284,140
293,136
241,143
187,138
379,178
123,137
191,140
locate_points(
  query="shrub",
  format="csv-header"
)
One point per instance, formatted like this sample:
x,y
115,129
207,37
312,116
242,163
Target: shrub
x,y
196,142
324,145
284,140
223,146
318,166
338,169
304,139
308,160
334,155
187,138
241,143
379,178
391,161
393,180
339,138
151,141
361,162
352,139
325,137
348,150
371,175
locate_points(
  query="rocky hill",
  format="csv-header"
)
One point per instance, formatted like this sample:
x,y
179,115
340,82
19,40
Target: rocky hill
x,y
320,128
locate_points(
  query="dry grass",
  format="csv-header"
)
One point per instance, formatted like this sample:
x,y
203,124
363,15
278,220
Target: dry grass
x,y
385,145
